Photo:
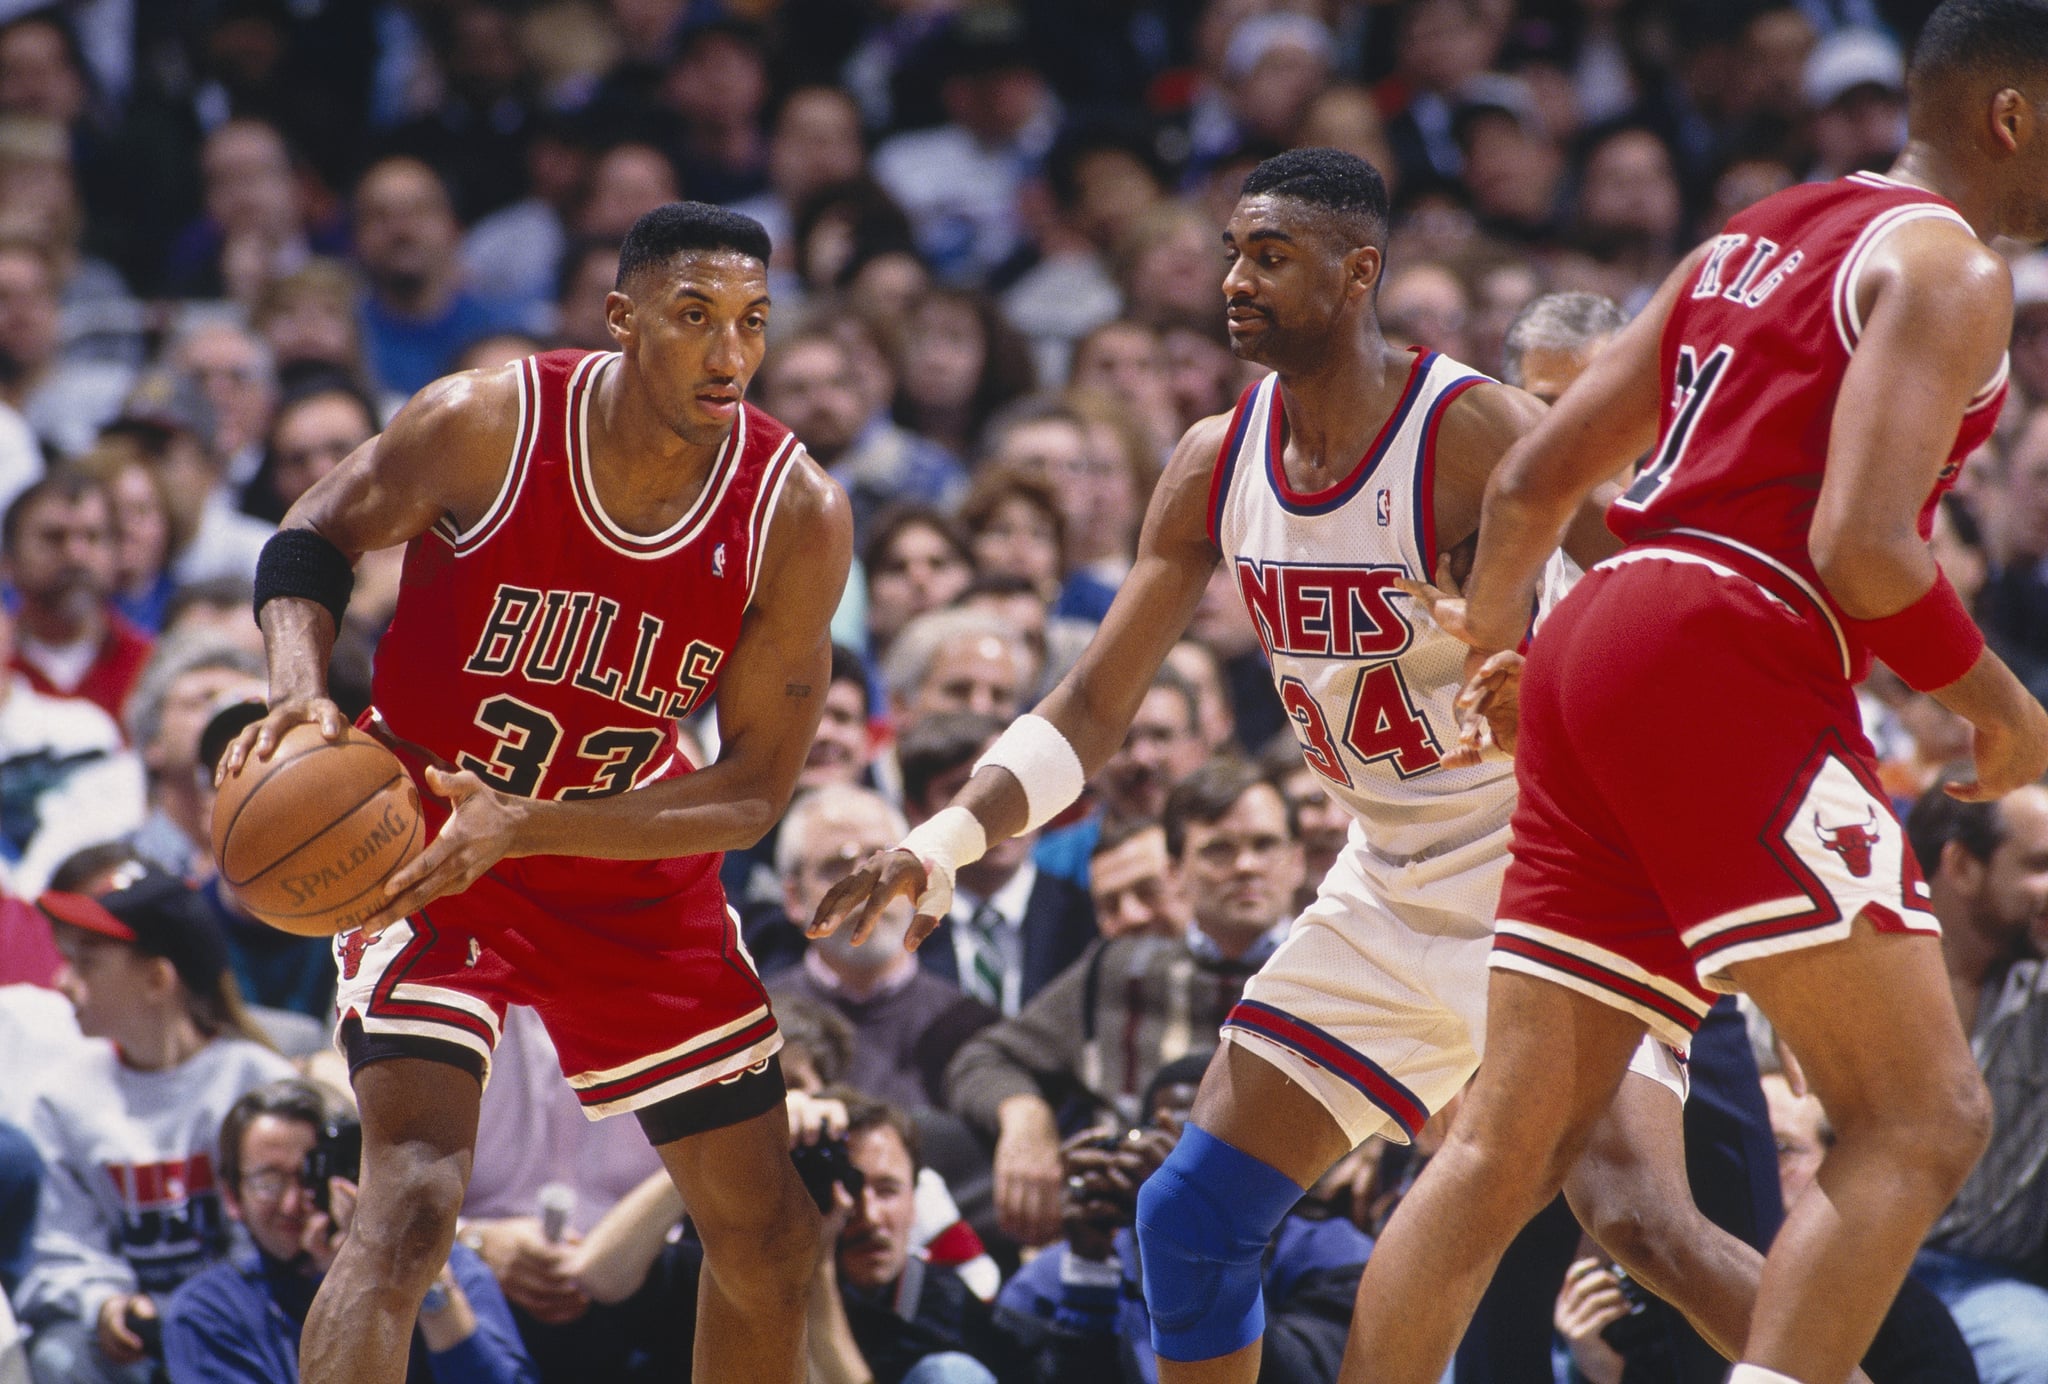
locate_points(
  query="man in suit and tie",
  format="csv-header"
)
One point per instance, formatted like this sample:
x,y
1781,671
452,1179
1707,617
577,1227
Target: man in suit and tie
x,y
1015,926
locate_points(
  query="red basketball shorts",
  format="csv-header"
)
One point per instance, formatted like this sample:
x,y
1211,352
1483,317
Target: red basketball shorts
x,y
1695,789
636,968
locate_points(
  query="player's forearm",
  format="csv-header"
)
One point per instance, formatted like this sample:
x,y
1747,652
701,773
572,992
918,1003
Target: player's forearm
x,y
298,640
1989,694
1518,532
722,807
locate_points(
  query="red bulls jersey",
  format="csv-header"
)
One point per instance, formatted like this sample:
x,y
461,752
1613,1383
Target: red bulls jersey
x,y
1754,355
551,651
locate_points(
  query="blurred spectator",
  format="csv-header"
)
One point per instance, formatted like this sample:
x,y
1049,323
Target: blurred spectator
x,y
1745,181
320,419
1513,166
1855,84
132,1207
142,530
2030,328
955,660
535,1146
418,312
477,131
1168,269
65,402
1549,344
814,142
1089,1285
238,1321
627,181
1197,662
1323,822
39,204
1631,210
21,1184
1092,1041
513,254
1201,372
254,229
588,272
1015,529
1125,360
1131,883
220,607
907,1022
189,677
308,317
1053,643
960,182
712,96
1345,116
842,228
1425,305
232,367
915,560
843,748
65,781
1099,180
1439,46
1987,872
2015,601
1273,67
1163,746
960,363
168,423
58,547
811,383
1012,927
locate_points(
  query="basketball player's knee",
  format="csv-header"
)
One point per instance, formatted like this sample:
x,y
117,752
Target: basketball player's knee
x,y
1937,1123
1651,1237
405,1223
764,1252
1204,1220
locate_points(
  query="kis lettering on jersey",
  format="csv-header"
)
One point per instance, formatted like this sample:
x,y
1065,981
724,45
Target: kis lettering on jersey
x,y
1746,287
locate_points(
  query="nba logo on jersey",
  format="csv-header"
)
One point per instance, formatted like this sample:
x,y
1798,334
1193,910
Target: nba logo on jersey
x,y
1383,504
718,561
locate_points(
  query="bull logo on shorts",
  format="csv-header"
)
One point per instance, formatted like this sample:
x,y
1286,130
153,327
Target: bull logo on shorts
x,y
1852,842
351,947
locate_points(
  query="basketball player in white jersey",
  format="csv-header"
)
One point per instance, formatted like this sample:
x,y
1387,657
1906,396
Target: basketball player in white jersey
x,y
1352,465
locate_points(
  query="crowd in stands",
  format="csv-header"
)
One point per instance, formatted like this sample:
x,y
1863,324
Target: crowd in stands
x,y
236,235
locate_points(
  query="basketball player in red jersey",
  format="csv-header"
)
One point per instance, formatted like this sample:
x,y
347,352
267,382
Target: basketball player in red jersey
x,y
598,544
1699,809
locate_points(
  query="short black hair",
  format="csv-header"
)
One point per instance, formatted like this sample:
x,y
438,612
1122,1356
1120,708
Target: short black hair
x,y
679,227
2005,40
1342,185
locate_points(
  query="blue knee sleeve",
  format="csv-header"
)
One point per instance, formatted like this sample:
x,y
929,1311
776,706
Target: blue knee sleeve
x,y
1204,1220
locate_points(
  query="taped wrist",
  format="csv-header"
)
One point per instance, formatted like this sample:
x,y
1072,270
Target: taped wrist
x,y
301,564
1043,762
944,841
1930,643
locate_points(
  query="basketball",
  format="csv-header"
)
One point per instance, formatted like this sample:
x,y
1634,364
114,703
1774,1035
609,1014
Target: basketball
x,y
307,837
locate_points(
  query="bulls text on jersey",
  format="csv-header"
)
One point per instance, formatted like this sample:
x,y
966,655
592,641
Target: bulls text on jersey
x,y
541,635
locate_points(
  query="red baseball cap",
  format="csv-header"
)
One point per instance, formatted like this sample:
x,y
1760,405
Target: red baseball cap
x,y
156,913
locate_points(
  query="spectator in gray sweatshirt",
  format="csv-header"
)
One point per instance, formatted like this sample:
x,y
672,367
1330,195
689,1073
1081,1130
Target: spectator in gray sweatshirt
x,y
128,1126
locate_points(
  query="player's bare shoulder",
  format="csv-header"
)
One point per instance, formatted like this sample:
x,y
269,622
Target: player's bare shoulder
x,y
455,439
1477,429
1937,271
810,532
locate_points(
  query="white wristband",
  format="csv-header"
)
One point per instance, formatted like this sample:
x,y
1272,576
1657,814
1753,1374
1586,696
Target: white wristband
x,y
944,841
1043,762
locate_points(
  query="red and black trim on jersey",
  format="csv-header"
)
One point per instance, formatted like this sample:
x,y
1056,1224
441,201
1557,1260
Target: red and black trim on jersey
x,y
525,435
1354,1067
1225,470
1334,496
1425,481
766,496
582,389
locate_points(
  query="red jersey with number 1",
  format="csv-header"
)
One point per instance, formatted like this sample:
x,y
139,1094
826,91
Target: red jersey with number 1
x,y
1756,351
551,651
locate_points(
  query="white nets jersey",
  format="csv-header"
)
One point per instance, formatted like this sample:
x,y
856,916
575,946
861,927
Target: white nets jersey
x,y
1367,680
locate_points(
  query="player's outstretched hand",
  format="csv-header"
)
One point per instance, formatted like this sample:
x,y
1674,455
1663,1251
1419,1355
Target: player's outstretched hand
x,y
882,878
260,738
2009,753
1442,602
478,834
1489,707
